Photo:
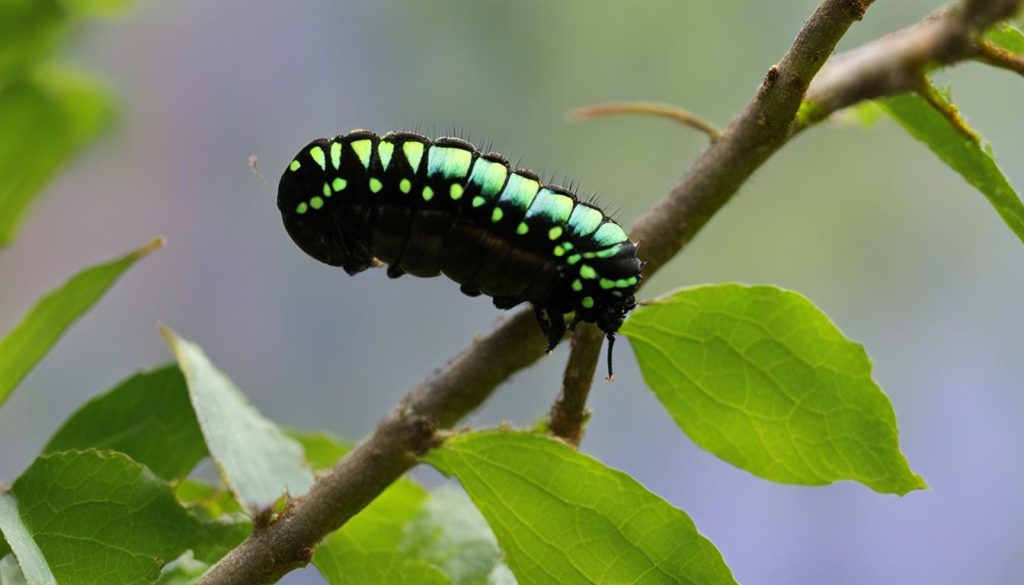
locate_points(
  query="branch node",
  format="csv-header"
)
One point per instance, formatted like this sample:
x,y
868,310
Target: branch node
x,y
304,554
425,436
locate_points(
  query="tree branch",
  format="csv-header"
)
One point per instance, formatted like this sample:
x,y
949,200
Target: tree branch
x,y
893,64
391,450
709,184
897,63
287,542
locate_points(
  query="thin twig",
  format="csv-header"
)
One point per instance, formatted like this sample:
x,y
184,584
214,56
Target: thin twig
x,y
669,111
1000,57
473,375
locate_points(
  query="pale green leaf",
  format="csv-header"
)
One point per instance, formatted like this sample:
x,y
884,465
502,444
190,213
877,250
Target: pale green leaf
x,y
761,378
148,417
322,449
963,154
256,459
365,551
33,565
450,534
564,518
206,500
99,517
46,119
1006,36
33,337
184,570
10,572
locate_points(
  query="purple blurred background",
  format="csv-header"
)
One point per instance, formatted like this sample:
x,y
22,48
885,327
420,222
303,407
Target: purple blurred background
x,y
901,253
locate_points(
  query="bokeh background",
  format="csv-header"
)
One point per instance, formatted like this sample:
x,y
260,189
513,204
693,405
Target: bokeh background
x,y
900,252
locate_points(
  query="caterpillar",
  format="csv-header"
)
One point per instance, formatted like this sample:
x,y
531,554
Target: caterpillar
x,y
429,207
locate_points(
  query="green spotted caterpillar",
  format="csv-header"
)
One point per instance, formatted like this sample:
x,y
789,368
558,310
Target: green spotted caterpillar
x,y
428,207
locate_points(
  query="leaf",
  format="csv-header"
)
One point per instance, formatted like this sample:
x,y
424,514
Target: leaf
x,y
1006,36
564,518
257,460
322,449
183,570
99,517
450,534
366,550
97,8
963,154
761,378
147,417
47,118
206,500
40,329
29,31
30,558
10,572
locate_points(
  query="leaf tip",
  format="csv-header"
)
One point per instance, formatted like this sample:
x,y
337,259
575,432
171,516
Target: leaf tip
x,y
170,337
154,244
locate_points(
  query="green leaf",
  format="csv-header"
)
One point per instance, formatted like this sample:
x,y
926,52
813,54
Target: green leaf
x,y
322,449
97,8
450,534
99,517
184,570
257,461
564,518
366,550
1006,36
29,31
30,558
206,500
30,339
964,154
148,417
47,118
761,378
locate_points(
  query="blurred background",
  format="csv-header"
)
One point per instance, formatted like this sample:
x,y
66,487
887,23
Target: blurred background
x,y
902,254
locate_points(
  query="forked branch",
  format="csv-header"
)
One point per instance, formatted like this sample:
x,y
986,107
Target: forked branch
x,y
469,379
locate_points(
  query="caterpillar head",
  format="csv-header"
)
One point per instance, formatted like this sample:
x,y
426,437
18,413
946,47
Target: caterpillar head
x,y
308,202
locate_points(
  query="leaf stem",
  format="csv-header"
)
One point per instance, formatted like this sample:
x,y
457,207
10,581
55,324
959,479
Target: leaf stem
x,y
669,111
995,56
931,95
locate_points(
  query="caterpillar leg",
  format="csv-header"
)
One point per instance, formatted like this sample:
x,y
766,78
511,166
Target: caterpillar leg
x,y
469,291
506,302
394,271
542,320
557,330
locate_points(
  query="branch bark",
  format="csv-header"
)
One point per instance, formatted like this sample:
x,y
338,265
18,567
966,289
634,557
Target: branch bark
x,y
897,63
467,381
747,143
888,66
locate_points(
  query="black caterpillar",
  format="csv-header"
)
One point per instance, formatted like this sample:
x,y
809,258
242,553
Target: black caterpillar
x,y
429,207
